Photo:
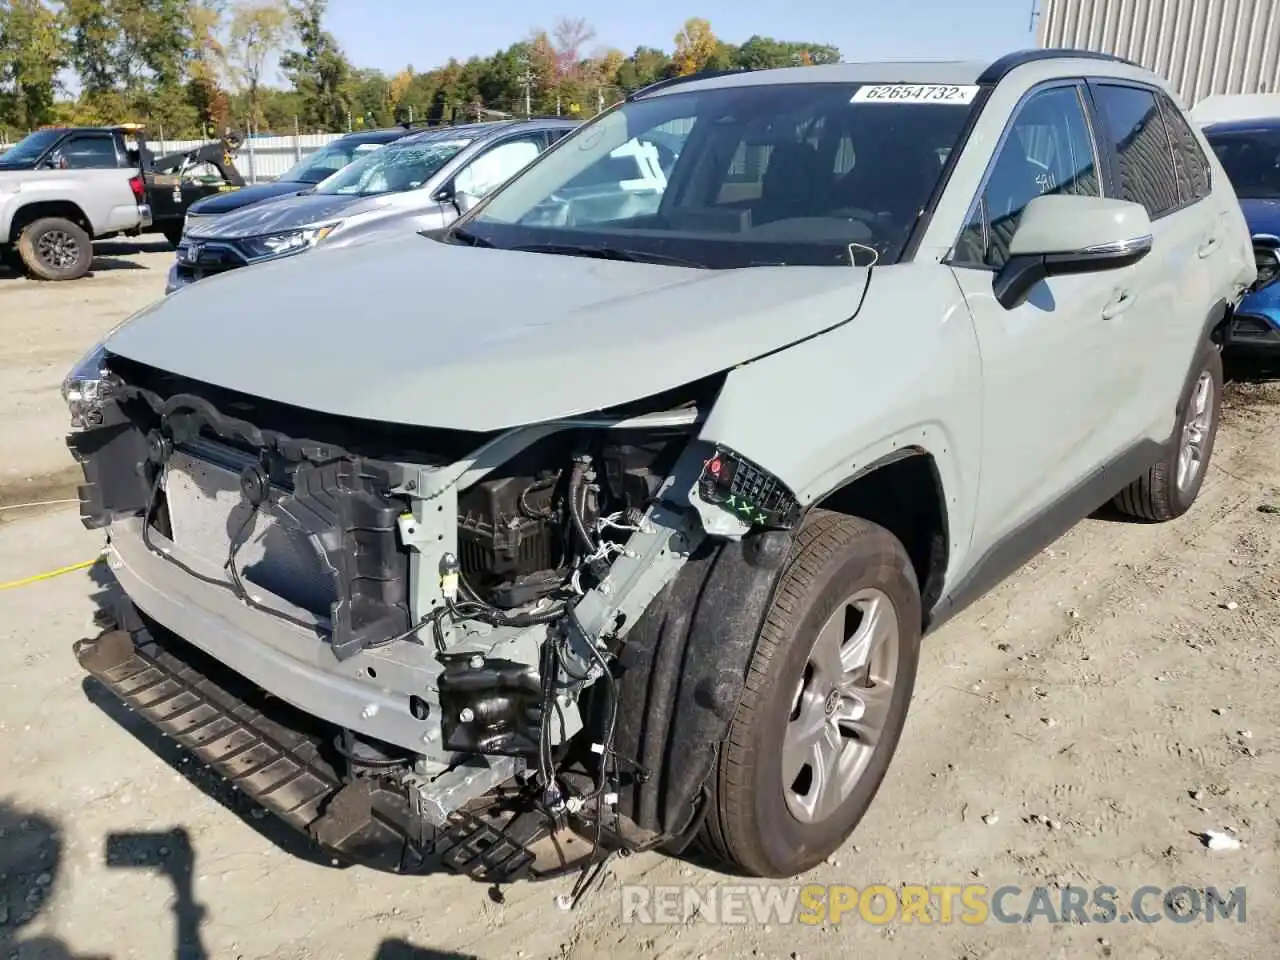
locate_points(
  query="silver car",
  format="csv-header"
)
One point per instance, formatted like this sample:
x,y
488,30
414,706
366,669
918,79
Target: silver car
x,y
420,182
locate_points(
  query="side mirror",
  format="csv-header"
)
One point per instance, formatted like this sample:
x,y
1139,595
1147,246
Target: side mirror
x,y
1266,254
53,161
464,202
1059,235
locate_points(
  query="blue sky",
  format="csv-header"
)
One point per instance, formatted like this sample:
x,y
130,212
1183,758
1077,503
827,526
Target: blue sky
x,y
389,34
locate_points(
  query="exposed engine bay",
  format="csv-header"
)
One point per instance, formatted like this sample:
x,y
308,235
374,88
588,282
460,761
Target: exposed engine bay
x,y
450,607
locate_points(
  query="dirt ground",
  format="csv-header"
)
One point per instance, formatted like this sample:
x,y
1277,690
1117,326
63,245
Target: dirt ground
x,y
1082,725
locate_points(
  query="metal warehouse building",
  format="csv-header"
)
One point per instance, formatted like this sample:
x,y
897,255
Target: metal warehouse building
x,y
1203,47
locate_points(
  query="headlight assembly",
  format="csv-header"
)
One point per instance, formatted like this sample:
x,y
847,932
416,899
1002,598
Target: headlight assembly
x,y
290,241
87,388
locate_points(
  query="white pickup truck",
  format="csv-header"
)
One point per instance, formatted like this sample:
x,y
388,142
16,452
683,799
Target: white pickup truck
x,y
60,190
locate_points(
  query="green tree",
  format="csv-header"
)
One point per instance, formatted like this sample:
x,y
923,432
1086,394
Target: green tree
x,y
258,29
32,51
320,72
760,53
645,66
91,29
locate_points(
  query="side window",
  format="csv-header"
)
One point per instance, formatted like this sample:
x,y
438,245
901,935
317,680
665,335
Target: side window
x,y
89,151
1047,149
1188,157
1141,143
496,166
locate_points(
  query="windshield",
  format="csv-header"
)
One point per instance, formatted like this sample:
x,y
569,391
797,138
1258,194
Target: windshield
x,y
403,165
793,174
326,161
27,150
1251,159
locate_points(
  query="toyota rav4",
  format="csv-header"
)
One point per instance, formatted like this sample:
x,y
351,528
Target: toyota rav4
x,y
611,516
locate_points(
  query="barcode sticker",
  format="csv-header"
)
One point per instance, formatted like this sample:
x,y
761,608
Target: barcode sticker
x,y
915,93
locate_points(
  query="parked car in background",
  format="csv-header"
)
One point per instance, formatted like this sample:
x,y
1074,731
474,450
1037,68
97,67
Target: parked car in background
x,y
63,188
1249,151
419,182
306,173
626,514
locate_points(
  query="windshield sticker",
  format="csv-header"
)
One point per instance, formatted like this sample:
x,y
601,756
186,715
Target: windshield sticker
x,y
915,93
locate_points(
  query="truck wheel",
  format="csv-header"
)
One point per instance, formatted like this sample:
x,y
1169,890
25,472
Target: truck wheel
x,y
824,704
173,234
55,249
1170,487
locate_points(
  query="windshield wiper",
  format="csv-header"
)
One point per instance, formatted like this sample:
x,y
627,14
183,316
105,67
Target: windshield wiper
x,y
606,253
469,238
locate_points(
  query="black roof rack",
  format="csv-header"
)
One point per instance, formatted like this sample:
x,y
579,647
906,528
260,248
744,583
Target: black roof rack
x,y
1011,61
687,78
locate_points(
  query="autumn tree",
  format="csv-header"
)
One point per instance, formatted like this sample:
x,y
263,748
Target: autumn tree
x,y
208,59
320,72
258,29
696,46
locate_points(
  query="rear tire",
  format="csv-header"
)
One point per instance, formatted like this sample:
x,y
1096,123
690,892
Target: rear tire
x,y
813,736
173,235
1169,488
52,248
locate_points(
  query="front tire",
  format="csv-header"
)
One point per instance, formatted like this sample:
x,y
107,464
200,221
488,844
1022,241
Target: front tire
x,y
824,703
1170,487
52,248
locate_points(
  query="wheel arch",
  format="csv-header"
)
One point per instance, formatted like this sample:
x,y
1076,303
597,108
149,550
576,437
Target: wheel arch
x,y
29,213
904,492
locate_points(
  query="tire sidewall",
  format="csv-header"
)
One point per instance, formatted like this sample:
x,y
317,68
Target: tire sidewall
x,y
43,271
790,846
1209,359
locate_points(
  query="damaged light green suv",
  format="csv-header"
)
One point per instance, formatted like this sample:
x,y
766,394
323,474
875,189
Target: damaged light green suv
x,y
619,508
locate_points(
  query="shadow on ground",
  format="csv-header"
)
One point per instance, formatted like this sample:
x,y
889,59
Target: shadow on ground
x,y
107,256
31,856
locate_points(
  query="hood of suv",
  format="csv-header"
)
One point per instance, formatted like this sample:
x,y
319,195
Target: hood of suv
x,y
285,213
221,203
415,331
1263,216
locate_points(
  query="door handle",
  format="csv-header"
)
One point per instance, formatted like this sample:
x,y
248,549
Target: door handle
x,y
1122,302
1209,246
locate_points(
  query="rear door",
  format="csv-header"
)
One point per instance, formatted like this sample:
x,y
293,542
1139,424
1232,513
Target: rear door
x,y
1172,287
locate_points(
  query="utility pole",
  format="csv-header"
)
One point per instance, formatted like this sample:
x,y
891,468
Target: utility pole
x,y
526,80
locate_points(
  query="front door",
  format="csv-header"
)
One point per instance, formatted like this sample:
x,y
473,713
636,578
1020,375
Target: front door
x,y
1044,362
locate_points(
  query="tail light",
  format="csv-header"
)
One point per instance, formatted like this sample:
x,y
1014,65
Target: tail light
x,y
139,188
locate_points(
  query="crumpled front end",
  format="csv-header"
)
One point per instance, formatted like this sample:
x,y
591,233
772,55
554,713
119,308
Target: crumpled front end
x,y
373,629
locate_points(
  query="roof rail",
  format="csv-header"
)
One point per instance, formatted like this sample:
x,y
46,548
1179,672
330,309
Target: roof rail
x,y
1011,61
687,78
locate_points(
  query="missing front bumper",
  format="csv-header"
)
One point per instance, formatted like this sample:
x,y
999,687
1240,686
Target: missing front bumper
x,y
278,758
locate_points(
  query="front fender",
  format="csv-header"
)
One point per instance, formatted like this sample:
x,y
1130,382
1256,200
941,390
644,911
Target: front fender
x,y
904,373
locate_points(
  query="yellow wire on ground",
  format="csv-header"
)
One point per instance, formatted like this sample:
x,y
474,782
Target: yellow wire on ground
x,y
49,575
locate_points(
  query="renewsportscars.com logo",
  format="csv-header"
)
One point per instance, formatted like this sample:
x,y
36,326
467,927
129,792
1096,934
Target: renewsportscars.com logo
x,y
970,904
